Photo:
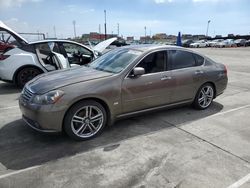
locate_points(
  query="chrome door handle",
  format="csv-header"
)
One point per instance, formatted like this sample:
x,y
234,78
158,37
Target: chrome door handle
x,y
166,78
198,72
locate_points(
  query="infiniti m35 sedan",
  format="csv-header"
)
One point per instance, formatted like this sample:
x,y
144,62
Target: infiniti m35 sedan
x,y
82,100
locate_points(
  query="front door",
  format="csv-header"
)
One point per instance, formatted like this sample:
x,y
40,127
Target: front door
x,y
148,90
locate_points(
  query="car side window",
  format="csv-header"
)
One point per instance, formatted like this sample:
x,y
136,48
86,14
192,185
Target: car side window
x,y
181,59
76,54
199,59
74,48
154,62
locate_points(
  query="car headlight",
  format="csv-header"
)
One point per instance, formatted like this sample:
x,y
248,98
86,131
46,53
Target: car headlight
x,y
48,98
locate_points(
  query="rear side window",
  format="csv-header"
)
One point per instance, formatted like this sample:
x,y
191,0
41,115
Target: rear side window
x,y
181,59
199,59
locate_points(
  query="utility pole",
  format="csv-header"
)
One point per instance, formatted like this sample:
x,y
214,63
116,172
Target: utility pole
x,y
38,35
105,24
74,25
208,22
54,28
118,29
100,38
99,28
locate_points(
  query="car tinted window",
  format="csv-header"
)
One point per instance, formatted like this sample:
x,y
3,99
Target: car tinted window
x,y
199,59
155,62
181,59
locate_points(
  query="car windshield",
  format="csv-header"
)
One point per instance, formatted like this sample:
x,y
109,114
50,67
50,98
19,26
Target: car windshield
x,y
115,61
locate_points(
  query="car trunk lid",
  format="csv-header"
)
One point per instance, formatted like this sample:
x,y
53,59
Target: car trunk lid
x,y
17,36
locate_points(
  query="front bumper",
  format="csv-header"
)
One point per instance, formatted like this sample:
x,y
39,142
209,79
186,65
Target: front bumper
x,y
43,118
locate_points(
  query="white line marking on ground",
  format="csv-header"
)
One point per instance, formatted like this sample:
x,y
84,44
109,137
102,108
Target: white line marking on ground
x,y
18,171
232,110
240,182
9,107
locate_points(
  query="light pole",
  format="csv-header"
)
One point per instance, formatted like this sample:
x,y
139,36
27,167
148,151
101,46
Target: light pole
x,y
105,24
145,28
118,29
54,28
74,25
208,22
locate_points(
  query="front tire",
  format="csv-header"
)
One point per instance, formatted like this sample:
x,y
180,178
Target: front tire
x,y
204,97
85,120
25,75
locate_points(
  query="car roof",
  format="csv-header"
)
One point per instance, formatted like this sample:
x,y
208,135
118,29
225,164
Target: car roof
x,y
145,48
58,40
53,40
150,47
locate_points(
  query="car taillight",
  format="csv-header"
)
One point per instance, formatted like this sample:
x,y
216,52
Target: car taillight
x,y
3,57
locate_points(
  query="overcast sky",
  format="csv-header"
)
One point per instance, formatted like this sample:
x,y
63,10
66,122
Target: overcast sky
x,y
159,16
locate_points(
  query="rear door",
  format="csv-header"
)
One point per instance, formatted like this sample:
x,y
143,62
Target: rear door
x,y
187,74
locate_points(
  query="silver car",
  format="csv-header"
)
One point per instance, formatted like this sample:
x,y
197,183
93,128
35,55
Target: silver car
x,y
126,81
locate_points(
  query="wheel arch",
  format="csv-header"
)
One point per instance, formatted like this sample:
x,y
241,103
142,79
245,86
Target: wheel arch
x,y
22,67
96,99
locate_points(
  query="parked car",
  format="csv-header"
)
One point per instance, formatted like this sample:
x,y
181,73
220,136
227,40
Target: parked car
x,y
240,42
27,60
248,43
186,43
214,42
125,81
226,43
199,44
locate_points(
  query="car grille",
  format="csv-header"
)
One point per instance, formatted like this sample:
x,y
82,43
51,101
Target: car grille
x,y
27,94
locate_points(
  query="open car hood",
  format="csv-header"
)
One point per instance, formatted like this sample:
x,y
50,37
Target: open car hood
x,y
18,37
104,44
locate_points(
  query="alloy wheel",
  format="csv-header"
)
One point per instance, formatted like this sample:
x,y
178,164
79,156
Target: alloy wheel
x,y
26,75
206,96
87,121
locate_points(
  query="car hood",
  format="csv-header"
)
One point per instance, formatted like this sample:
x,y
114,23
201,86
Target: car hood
x,y
57,79
104,44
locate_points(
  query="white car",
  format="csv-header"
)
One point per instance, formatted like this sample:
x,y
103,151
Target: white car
x,y
26,60
226,43
214,42
199,44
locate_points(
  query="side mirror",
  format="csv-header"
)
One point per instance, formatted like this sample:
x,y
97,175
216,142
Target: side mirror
x,y
138,71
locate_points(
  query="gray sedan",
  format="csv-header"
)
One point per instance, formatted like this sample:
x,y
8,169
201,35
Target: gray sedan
x,y
126,81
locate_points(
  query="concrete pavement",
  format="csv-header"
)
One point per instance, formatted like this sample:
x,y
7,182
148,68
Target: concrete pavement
x,y
181,147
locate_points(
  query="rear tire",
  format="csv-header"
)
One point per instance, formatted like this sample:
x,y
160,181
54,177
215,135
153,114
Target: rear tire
x,y
85,120
204,97
25,75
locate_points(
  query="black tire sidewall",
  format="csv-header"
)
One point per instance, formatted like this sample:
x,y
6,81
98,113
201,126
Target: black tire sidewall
x,y
18,81
68,117
196,104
